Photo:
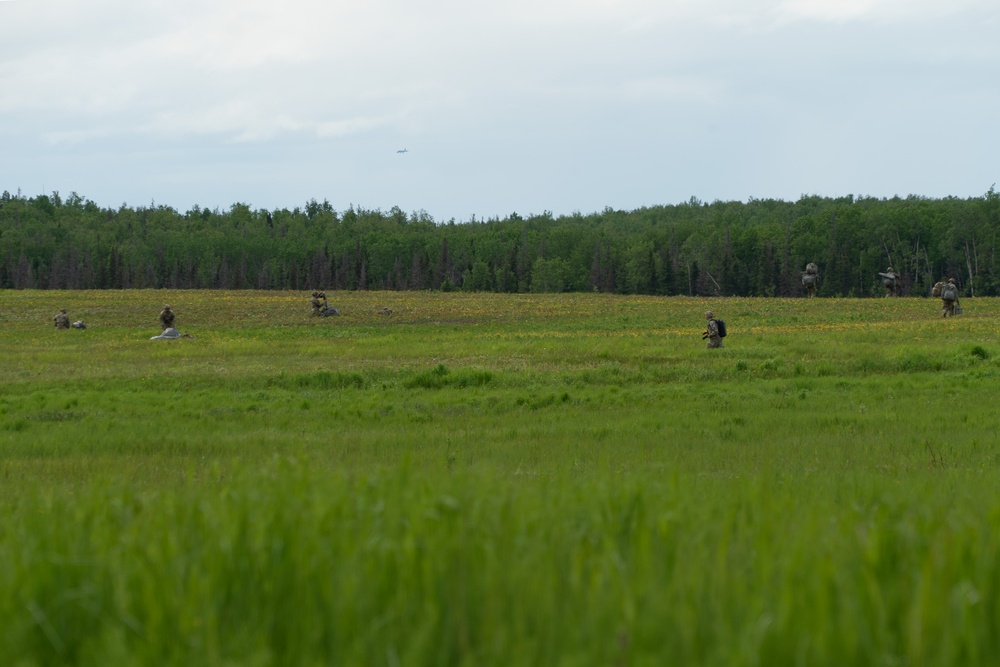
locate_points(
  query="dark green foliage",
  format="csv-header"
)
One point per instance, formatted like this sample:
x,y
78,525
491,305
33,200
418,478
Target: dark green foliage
x,y
440,376
757,248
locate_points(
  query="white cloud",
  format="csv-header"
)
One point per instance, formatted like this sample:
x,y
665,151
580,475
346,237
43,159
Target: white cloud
x,y
234,121
880,11
528,88
72,137
344,127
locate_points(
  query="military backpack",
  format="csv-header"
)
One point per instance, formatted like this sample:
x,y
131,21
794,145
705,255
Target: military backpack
x,y
722,328
949,292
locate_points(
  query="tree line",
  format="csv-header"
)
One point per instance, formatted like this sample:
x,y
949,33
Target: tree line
x,y
756,248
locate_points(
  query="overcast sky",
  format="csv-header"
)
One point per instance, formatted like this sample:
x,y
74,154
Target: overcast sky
x,y
506,106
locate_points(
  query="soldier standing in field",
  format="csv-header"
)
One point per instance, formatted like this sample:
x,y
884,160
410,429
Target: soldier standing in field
x,y
712,331
167,317
62,319
949,298
889,281
810,277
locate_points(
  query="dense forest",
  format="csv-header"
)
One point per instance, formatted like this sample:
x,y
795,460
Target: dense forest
x,y
757,248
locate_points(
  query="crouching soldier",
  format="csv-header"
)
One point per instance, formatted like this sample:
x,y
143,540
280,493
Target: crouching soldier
x,y
62,319
320,307
167,318
316,303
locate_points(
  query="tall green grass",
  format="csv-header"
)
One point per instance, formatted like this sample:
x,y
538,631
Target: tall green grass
x,y
479,480
291,563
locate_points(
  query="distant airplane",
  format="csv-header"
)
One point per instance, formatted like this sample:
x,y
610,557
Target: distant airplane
x,y
403,151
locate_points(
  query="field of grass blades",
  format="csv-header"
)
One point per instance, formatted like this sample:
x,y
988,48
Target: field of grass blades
x,y
480,479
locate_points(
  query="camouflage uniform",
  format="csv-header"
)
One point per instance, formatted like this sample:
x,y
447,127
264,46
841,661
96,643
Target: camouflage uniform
x,y
316,303
889,281
948,305
712,332
167,317
62,319
809,279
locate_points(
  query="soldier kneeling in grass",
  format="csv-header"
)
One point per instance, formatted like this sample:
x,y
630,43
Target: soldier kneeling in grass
x,y
320,307
167,317
316,303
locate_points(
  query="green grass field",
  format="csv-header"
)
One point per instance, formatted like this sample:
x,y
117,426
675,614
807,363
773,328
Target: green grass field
x,y
479,479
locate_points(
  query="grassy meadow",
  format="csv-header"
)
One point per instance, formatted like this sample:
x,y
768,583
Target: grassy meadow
x,y
481,479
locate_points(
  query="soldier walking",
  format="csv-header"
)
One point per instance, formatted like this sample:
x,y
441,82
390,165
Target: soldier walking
x,y
949,298
712,332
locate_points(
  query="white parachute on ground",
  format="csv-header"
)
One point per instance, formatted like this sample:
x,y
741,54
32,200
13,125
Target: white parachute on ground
x,y
171,333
